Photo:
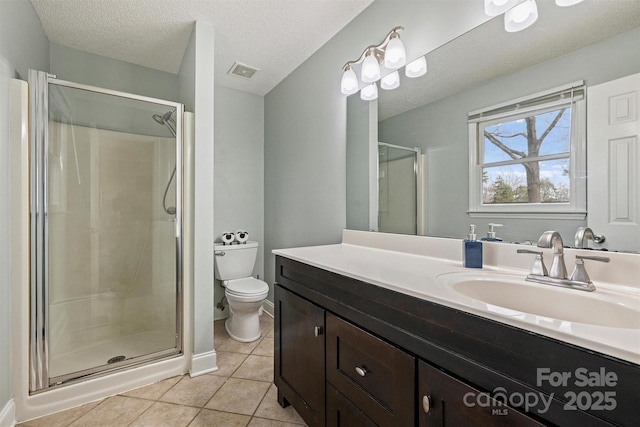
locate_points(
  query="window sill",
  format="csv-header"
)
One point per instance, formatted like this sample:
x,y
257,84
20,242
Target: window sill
x,y
528,215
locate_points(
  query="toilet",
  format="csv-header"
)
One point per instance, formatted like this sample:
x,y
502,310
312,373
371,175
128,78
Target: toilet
x,y
245,294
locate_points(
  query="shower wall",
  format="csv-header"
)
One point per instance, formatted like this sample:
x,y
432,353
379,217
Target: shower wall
x,y
112,269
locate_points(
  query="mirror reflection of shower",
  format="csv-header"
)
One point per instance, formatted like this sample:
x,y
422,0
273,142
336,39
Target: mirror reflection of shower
x,y
167,120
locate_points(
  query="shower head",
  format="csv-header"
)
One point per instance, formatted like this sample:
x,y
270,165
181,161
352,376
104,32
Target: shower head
x,y
166,120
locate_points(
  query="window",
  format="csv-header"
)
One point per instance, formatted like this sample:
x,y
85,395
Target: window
x,y
527,156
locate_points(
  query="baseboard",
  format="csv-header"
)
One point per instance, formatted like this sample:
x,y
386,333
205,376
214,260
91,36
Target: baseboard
x,y
268,307
8,414
203,363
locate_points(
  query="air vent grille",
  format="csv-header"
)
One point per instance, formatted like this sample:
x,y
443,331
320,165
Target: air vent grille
x,y
242,70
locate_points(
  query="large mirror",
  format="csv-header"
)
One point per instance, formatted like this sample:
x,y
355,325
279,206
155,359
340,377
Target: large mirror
x,y
595,42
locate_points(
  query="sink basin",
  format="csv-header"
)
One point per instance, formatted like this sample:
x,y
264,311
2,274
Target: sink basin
x,y
511,295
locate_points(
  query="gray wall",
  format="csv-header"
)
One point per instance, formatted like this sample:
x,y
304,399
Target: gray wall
x,y
440,129
239,171
23,45
87,68
305,121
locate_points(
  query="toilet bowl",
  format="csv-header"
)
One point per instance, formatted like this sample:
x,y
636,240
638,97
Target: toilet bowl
x,y
245,297
245,294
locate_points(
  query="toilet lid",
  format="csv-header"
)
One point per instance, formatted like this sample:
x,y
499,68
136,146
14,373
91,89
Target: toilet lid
x,y
247,286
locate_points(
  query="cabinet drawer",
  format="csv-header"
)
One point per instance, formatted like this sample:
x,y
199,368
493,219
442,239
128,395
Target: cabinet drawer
x,y
450,402
376,376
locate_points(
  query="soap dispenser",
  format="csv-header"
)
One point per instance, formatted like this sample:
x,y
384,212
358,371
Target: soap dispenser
x,y
491,234
472,250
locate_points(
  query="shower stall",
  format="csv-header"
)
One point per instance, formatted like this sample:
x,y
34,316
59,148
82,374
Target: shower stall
x,y
105,229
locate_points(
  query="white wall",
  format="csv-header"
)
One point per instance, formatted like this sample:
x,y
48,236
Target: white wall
x,y
440,129
305,121
239,171
23,45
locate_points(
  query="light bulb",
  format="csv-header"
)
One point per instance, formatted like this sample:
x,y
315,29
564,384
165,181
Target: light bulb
x,y
496,7
564,3
416,68
370,68
349,84
521,16
369,92
395,55
390,81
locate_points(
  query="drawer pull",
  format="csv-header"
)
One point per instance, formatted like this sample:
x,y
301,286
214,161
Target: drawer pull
x,y
426,403
317,331
362,371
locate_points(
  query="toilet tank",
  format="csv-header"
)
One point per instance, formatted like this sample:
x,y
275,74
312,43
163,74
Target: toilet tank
x,y
237,261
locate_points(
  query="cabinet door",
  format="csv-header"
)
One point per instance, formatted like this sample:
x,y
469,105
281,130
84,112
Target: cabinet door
x,y
445,401
376,376
299,355
343,413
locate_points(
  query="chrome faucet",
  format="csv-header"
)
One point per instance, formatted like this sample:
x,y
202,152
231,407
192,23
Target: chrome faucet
x,y
557,275
553,239
586,233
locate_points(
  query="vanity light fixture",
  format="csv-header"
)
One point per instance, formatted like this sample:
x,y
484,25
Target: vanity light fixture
x,y
349,84
369,92
416,68
496,7
521,16
390,53
563,3
370,68
390,81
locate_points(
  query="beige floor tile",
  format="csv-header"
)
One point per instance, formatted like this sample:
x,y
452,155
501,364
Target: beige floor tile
x,y
153,391
266,323
239,396
265,348
228,363
209,418
61,419
258,368
166,415
115,411
263,422
271,333
194,391
222,342
271,409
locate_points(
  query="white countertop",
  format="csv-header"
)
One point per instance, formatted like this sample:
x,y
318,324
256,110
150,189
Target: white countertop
x,y
416,275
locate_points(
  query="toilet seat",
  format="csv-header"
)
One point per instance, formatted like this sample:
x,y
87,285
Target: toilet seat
x,y
245,287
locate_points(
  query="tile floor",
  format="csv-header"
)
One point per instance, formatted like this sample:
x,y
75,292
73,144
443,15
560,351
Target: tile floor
x,y
240,393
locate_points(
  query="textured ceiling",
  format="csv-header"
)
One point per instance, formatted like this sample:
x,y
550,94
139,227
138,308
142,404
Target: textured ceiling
x,y
488,51
275,36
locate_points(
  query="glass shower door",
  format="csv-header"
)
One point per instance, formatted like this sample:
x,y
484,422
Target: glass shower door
x,y
397,189
107,233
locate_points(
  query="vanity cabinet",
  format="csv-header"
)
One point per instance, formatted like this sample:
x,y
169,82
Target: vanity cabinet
x,y
299,356
446,401
378,353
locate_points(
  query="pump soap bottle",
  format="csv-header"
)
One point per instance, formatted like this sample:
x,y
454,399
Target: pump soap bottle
x,y
491,234
472,250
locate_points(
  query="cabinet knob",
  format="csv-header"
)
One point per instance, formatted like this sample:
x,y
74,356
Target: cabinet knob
x,y
426,403
317,331
361,370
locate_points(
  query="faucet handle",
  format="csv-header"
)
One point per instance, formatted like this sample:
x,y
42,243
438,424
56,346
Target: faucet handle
x,y
538,268
580,273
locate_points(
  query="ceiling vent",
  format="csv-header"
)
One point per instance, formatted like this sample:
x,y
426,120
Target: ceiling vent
x,y
242,70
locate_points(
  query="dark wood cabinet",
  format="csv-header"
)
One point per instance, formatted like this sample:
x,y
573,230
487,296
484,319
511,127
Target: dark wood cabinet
x,y
377,377
446,401
378,353
299,356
